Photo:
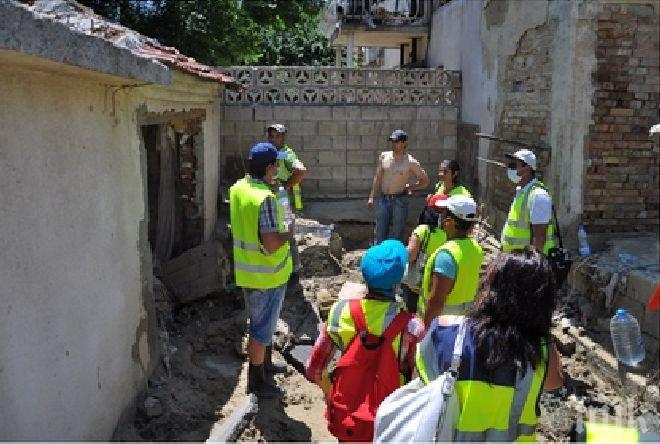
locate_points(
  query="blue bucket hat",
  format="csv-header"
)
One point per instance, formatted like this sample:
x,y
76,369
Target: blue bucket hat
x,y
383,265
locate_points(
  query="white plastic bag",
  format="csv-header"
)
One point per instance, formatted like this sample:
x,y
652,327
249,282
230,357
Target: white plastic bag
x,y
419,412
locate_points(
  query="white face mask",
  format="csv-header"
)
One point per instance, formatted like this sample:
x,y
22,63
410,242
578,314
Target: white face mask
x,y
513,176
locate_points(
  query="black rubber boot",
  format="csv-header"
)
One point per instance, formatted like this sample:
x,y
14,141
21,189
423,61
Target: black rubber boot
x,y
270,366
260,386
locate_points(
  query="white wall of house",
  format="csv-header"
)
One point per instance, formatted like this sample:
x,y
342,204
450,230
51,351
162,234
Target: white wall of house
x,y
75,335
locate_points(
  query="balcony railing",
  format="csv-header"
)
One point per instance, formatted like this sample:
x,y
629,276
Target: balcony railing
x,y
384,12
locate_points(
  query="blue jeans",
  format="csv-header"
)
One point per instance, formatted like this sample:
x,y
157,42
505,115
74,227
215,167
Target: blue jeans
x,y
263,309
391,211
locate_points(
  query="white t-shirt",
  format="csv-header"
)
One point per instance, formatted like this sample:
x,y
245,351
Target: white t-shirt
x,y
540,204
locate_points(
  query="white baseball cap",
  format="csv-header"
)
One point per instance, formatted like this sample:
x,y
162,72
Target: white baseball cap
x,y
277,127
524,155
463,207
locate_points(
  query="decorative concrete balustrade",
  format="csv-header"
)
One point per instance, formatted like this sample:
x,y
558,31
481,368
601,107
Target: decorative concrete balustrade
x,y
350,86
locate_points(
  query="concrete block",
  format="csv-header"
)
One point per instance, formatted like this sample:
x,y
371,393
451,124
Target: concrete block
x,y
301,128
429,112
422,156
249,128
438,155
317,143
345,112
310,187
333,187
419,130
320,173
238,112
639,287
402,113
426,144
448,128
362,128
317,113
450,113
287,112
449,143
374,112
353,142
374,143
264,112
295,142
332,157
361,171
309,158
362,157
230,144
227,128
391,125
359,188
332,128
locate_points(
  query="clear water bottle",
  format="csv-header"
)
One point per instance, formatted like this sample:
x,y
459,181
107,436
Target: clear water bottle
x,y
283,198
627,338
582,240
414,275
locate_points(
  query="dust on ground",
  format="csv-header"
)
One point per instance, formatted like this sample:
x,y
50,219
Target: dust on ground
x,y
203,376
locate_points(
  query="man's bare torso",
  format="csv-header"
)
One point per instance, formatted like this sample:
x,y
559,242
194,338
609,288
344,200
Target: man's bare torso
x,y
397,171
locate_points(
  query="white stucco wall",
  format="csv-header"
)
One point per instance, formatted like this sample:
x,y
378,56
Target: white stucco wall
x,y
74,344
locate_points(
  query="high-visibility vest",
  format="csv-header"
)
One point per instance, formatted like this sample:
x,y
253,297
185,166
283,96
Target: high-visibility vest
x,y
598,433
468,255
253,266
458,190
283,173
490,410
431,240
378,315
517,232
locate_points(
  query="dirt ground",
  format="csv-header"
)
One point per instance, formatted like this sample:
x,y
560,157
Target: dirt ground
x,y
202,378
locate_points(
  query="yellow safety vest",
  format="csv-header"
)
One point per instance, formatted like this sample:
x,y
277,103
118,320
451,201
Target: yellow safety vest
x,y
468,256
517,232
378,314
253,267
430,240
283,173
597,433
458,190
492,412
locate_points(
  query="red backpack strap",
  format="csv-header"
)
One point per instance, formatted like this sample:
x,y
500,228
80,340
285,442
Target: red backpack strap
x,y
358,315
398,324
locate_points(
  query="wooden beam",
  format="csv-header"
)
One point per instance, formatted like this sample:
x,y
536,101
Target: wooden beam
x,y
152,118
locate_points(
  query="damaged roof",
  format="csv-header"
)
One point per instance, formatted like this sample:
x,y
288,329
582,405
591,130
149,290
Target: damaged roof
x,y
82,20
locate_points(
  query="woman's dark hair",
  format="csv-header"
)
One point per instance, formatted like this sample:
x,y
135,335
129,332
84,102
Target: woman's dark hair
x,y
462,225
514,308
453,166
258,169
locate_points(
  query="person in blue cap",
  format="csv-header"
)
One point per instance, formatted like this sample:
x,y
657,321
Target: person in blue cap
x,y
382,267
262,262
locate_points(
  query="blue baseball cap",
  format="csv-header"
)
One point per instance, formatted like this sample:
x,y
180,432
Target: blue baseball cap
x,y
383,265
265,152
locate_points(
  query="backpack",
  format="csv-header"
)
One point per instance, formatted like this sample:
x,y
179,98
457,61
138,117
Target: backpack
x,y
365,374
419,412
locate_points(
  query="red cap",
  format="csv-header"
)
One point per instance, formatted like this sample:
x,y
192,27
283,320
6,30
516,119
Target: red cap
x,y
431,202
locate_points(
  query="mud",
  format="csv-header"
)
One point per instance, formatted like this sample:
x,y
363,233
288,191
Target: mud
x,y
204,372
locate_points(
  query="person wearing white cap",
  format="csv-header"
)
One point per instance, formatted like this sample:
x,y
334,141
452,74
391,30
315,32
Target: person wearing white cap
x,y
451,274
290,172
529,219
392,189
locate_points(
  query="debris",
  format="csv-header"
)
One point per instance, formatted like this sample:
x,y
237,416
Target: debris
x,y
152,407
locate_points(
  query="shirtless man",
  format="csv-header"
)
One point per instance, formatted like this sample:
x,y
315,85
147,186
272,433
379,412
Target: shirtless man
x,y
393,170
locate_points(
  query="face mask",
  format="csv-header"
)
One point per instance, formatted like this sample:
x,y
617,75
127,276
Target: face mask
x,y
513,176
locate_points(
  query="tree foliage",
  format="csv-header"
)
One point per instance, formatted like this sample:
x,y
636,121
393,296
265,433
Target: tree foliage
x,y
228,32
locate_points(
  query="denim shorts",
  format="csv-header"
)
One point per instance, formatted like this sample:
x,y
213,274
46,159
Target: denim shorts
x,y
263,310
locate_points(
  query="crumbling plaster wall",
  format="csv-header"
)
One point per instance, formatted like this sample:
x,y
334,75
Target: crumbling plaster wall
x,y
77,331
483,39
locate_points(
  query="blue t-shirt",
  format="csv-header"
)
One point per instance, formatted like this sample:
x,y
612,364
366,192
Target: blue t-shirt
x,y
445,265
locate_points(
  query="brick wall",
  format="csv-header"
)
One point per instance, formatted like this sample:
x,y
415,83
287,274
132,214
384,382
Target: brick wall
x,y
621,186
525,116
339,143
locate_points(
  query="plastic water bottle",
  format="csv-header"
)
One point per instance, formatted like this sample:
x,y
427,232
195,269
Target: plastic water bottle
x,y
627,338
582,240
283,197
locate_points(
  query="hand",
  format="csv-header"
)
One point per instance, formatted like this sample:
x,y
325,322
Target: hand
x,y
370,203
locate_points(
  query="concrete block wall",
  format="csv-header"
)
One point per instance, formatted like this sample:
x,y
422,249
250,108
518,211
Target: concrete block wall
x,y
338,143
